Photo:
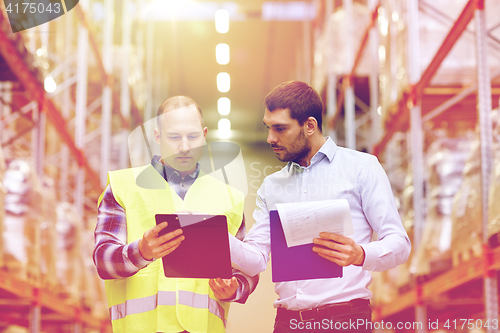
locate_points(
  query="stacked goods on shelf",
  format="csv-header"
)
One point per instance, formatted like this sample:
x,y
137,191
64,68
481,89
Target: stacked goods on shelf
x,y
387,284
48,236
377,289
335,56
93,295
392,55
69,256
22,221
382,286
467,216
445,161
467,234
494,196
3,191
407,217
456,69
15,329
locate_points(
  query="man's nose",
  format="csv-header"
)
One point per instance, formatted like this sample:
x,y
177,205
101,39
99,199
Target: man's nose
x,y
271,138
184,145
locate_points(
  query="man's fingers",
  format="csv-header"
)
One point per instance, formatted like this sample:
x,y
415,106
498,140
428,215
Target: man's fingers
x,y
222,284
167,247
159,227
328,244
216,288
328,252
168,251
234,282
170,236
334,237
332,259
224,288
334,256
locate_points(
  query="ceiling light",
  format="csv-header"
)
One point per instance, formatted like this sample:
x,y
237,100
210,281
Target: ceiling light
x,y
222,54
223,82
384,26
224,127
49,84
224,106
222,21
381,53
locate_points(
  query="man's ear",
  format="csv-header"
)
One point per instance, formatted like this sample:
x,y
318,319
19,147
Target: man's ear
x,y
311,126
157,135
205,130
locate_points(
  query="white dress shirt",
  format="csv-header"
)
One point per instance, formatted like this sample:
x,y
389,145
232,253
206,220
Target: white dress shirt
x,y
334,173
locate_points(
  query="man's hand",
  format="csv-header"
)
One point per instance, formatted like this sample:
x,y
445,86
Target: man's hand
x,y
151,246
339,249
224,288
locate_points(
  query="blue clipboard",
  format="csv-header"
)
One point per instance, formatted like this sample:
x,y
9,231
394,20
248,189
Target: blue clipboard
x,y
297,262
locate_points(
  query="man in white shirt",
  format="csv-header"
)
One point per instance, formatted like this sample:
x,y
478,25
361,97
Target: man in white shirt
x,y
317,170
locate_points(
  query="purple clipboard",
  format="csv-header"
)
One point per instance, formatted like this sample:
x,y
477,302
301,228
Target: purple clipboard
x,y
297,262
204,253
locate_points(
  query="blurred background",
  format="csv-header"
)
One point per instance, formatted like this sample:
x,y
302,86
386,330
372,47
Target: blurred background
x,y
415,82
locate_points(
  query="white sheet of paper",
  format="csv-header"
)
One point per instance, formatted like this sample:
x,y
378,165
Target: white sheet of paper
x,y
303,221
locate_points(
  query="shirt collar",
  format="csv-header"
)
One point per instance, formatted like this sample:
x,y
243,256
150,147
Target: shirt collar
x,y
168,172
328,149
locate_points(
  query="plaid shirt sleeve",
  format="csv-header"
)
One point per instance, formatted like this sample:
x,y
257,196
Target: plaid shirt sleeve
x,y
247,284
113,257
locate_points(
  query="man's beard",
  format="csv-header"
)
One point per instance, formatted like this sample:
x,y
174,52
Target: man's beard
x,y
299,149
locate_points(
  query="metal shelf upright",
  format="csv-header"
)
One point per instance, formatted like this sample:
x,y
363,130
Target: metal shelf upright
x,y
407,114
36,307
347,95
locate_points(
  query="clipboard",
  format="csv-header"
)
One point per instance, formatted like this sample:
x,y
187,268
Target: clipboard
x,y
297,262
204,253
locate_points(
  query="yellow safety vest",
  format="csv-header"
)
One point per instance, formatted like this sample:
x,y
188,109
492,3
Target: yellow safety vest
x,y
148,302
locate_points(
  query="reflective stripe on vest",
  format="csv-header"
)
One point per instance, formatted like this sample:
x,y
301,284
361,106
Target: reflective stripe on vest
x,y
140,305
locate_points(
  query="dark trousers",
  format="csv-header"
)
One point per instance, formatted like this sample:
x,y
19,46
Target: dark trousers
x,y
348,317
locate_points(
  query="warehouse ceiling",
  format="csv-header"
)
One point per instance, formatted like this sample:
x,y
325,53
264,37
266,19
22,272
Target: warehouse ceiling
x,y
262,55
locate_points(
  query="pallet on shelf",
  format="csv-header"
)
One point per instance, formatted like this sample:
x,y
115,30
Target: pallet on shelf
x,y
460,256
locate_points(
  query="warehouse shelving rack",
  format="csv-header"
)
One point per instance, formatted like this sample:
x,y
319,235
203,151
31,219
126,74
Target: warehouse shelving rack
x,y
477,274
25,303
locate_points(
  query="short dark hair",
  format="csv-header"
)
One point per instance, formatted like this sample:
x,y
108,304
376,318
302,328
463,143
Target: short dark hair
x,y
177,102
300,98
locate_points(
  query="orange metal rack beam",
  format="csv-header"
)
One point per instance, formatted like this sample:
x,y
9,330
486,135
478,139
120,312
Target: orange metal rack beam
x,y
364,40
49,300
348,79
32,84
470,270
108,78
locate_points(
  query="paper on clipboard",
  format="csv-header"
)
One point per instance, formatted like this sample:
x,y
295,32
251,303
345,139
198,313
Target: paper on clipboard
x,y
303,221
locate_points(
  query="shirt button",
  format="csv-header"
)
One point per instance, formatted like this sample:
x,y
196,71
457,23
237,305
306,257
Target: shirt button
x,y
305,191
307,170
301,292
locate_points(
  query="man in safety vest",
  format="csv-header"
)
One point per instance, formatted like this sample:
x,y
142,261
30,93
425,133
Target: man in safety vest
x,y
140,297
